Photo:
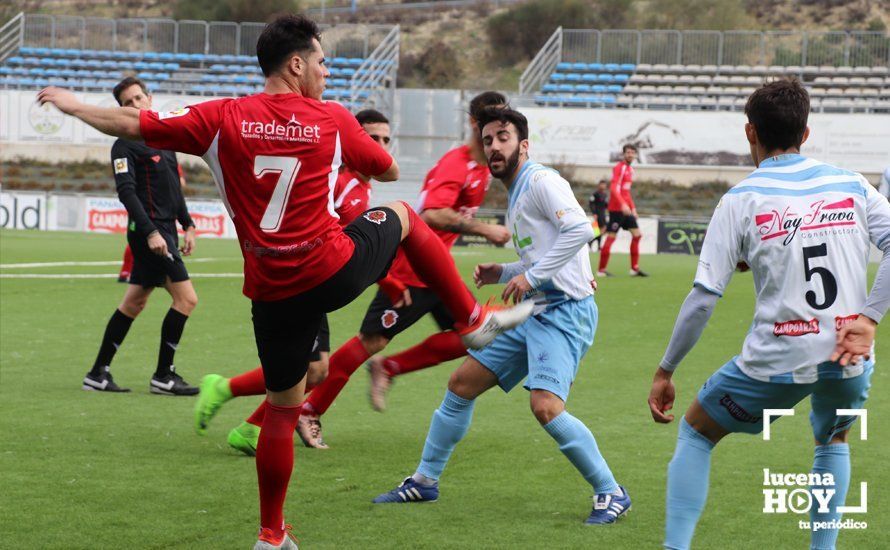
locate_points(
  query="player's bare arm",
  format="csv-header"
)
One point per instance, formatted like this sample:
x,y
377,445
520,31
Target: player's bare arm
x,y
122,122
487,274
447,219
391,174
661,396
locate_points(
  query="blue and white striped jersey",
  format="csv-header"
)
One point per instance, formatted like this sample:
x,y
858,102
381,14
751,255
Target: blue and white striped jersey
x,y
804,228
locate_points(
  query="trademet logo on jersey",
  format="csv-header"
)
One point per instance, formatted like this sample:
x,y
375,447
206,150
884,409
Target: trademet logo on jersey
x,y
389,318
174,113
292,130
825,217
796,327
375,216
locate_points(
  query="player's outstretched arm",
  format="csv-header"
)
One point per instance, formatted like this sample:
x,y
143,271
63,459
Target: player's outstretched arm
x,y
122,122
448,219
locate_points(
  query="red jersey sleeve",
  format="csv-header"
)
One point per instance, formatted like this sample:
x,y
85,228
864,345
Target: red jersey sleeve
x,y
359,151
445,186
187,130
617,178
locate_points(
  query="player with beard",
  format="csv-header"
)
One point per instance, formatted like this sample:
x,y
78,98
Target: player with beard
x,y
551,232
622,214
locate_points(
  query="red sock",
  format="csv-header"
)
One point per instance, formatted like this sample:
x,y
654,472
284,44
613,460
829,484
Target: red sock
x,y
127,266
635,253
434,265
274,463
251,382
605,252
438,348
257,417
342,364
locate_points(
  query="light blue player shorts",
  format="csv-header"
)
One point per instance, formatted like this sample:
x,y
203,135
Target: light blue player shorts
x,y
736,401
546,349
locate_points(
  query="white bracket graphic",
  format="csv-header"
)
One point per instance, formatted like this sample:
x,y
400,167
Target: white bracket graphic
x,y
768,414
863,501
863,431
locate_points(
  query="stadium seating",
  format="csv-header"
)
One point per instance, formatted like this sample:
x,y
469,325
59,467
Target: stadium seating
x,y
709,87
163,72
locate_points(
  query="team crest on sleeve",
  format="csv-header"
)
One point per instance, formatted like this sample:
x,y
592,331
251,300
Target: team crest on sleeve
x,y
120,166
389,318
173,114
375,216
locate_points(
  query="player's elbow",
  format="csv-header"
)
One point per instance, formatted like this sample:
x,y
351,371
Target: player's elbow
x,y
391,174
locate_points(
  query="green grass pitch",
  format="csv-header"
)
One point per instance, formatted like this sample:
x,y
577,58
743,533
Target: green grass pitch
x,y
87,470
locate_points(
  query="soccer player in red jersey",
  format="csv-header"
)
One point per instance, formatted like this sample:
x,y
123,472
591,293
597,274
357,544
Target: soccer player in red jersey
x,y
352,193
451,194
622,214
298,262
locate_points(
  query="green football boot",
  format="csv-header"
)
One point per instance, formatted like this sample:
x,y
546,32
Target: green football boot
x,y
214,391
245,438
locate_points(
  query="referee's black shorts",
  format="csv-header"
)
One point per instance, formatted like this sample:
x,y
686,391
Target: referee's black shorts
x,y
150,269
286,330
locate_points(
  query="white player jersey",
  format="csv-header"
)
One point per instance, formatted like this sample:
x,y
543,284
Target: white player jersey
x,y
540,204
804,229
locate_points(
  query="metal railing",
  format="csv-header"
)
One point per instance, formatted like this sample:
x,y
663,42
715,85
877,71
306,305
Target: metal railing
x,y
785,48
167,35
352,7
374,83
538,71
11,36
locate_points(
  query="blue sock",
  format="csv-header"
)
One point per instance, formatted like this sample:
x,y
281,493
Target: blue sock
x,y
687,486
450,423
833,459
579,446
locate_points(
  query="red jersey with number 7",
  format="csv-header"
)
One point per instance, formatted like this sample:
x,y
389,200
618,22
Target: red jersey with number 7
x,y
275,159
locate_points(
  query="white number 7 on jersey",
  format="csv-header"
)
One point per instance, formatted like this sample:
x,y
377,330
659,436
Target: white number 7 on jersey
x,y
287,168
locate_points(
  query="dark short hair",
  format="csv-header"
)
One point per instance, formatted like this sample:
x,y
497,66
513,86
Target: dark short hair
x,y
286,35
126,83
371,116
629,146
483,100
779,111
505,115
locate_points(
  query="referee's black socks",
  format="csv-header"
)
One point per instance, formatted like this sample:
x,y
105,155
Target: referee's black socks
x,y
171,332
115,332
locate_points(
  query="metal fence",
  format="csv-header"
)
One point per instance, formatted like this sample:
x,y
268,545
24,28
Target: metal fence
x,y
167,35
786,48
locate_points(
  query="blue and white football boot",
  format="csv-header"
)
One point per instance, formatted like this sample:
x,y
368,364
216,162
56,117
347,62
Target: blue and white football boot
x,y
607,508
409,491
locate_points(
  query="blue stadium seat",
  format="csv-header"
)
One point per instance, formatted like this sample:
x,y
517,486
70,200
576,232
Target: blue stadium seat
x,y
172,67
330,94
74,83
125,65
16,60
52,73
557,77
145,75
628,67
240,79
20,71
613,89
31,61
151,56
198,89
68,73
134,56
335,72
156,66
598,88
579,67
609,99
63,62
594,67
573,77
229,90
92,64
89,83
57,52
162,76
152,86
165,56
589,77
141,66
582,88
234,68
36,71
355,62
566,88
181,57
623,78
83,73
218,68
47,61
72,52
549,88
245,59
612,67
208,77
104,54
339,82
26,50
602,77
109,64
347,72
245,90
97,74
564,66
41,52
196,57
256,79
120,56
61,82
5,71
26,81
339,62
41,82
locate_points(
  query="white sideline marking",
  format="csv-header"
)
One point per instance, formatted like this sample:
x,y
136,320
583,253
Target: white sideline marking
x,y
83,264
107,275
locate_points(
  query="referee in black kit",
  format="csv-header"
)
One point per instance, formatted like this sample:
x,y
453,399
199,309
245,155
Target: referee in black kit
x,y
148,184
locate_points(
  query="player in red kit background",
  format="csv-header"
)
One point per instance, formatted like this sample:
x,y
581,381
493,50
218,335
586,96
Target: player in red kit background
x,y
352,192
274,157
451,194
622,214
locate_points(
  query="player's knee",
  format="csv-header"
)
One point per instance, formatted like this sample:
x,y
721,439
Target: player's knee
x,y
373,343
132,307
546,406
838,438
402,210
318,371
